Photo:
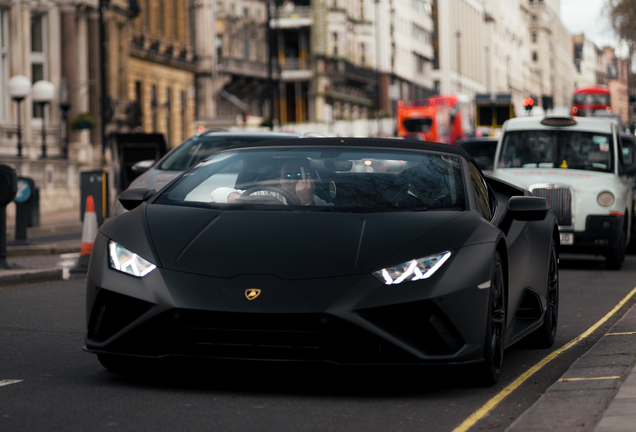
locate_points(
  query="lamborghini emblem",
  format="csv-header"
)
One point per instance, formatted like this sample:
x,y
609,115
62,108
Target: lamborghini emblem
x,y
252,293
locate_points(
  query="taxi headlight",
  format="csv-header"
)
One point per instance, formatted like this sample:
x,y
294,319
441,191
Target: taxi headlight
x,y
605,199
413,270
125,261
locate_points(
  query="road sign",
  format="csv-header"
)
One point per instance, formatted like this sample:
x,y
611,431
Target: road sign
x,y
24,191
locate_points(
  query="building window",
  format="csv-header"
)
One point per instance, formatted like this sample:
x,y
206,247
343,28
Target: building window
x,y
219,47
175,18
363,54
419,63
420,34
246,50
534,17
38,55
534,56
168,106
184,128
533,35
246,13
4,64
362,9
153,105
146,10
160,17
334,51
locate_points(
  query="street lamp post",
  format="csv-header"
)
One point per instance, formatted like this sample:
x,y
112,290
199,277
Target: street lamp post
x,y
43,92
19,87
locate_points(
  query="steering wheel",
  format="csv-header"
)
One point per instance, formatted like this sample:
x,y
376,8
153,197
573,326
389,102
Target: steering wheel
x,y
276,190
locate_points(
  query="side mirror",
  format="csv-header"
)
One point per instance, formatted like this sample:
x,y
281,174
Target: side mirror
x,y
142,166
132,198
528,208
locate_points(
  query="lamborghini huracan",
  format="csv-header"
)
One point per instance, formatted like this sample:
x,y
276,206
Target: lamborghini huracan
x,y
350,251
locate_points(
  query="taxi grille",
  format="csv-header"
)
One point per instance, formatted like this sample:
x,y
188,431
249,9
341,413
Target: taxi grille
x,y
560,199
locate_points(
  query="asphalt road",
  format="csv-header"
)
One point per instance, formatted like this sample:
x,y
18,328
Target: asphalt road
x,y
64,389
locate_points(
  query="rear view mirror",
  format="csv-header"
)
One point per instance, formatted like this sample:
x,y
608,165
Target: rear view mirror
x,y
132,198
528,208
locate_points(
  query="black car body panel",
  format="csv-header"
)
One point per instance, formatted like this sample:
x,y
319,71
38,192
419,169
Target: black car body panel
x,y
318,299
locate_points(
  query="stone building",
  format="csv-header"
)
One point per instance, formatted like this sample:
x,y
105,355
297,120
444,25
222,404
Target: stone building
x,y
152,83
590,62
617,74
55,41
551,56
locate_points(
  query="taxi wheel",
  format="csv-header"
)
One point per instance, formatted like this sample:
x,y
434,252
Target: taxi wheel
x,y
614,259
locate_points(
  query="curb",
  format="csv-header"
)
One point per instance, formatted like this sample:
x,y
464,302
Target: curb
x,y
55,249
580,398
24,276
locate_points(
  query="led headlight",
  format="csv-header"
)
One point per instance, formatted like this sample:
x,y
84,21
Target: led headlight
x,y
125,261
413,270
605,199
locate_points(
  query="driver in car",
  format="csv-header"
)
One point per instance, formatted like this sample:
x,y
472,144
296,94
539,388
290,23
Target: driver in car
x,y
295,178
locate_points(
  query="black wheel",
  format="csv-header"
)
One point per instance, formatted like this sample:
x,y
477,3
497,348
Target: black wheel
x,y
545,335
276,192
614,259
489,371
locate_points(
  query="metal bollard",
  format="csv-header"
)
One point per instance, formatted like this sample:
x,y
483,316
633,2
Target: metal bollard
x,y
8,189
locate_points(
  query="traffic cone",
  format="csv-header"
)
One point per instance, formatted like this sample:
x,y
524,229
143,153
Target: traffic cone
x,y
89,232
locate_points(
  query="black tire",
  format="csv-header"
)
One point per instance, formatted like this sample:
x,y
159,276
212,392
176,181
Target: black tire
x,y
546,334
614,259
488,372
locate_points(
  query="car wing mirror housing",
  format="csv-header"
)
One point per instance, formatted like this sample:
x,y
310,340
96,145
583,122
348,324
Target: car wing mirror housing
x,y
528,208
132,198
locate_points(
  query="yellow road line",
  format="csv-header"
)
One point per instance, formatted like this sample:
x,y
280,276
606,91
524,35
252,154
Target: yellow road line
x,y
589,379
620,334
485,409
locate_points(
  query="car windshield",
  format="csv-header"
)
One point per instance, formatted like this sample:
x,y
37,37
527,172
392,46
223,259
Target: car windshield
x,y
480,148
322,179
557,149
418,125
198,148
591,99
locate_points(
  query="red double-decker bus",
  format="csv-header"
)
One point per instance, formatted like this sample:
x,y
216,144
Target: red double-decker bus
x,y
588,99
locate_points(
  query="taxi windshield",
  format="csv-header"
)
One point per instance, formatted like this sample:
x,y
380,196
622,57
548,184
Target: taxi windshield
x,y
580,150
327,179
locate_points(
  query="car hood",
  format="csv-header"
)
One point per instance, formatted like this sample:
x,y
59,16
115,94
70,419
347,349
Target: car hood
x,y
576,179
290,244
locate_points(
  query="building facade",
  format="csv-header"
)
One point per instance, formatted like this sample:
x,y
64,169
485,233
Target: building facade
x,y
52,41
617,74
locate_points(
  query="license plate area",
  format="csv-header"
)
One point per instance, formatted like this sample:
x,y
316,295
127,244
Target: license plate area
x,y
566,238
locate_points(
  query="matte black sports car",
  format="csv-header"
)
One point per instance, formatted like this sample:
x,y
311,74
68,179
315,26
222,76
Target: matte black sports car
x,y
350,251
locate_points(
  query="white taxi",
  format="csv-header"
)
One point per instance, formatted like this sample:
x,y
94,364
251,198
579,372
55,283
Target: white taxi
x,y
576,164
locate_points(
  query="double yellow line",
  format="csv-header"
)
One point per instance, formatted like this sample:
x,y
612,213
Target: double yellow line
x,y
492,403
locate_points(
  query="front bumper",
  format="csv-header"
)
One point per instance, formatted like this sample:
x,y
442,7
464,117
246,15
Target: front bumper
x,y
344,320
602,234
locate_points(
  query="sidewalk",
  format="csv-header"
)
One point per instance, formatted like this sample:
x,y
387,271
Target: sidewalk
x,y
46,257
597,393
